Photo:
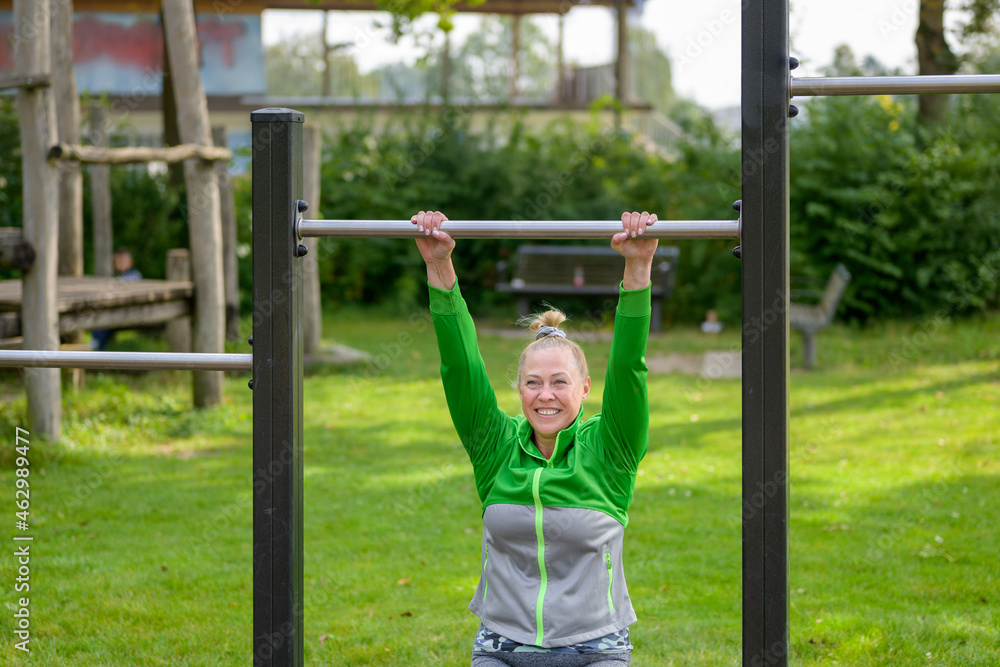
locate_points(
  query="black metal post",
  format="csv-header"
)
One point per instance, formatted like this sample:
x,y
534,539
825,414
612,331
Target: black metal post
x,y
765,332
277,387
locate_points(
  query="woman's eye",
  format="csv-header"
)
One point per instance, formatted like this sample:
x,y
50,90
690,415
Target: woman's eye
x,y
560,381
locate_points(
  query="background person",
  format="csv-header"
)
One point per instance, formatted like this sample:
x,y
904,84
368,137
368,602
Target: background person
x,y
124,270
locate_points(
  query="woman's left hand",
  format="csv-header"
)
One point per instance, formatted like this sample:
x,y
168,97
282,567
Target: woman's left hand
x,y
629,242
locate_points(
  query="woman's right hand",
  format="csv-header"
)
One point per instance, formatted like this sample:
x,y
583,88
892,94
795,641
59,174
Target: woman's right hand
x,y
435,245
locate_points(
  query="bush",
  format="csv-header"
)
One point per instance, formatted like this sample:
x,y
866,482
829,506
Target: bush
x,y
913,215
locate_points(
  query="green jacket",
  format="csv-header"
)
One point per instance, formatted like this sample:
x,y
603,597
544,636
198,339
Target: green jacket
x,y
552,570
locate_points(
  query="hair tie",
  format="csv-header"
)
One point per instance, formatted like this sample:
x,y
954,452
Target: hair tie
x,y
546,331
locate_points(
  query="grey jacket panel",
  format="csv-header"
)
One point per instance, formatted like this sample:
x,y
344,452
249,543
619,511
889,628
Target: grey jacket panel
x,y
579,546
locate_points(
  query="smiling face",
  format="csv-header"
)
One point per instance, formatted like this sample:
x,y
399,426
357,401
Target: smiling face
x,y
552,392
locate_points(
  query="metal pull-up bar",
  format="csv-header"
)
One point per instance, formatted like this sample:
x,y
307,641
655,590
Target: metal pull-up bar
x,y
526,229
146,361
895,85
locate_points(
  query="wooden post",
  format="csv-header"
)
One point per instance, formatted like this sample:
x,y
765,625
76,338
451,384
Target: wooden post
x,y
179,329
70,174
100,199
39,317
68,120
204,224
227,211
312,316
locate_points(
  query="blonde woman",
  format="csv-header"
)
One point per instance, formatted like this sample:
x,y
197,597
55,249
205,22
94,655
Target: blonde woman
x,y
555,488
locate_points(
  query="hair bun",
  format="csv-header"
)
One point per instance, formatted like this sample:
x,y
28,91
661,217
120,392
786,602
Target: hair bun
x,y
552,317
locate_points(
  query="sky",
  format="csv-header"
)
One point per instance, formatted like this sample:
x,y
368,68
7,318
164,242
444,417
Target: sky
x,y
702,38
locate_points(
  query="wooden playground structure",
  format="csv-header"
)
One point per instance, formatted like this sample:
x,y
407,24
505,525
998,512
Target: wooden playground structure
x,y
53,303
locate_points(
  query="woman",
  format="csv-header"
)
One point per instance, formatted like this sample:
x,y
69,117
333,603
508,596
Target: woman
x,y
555,488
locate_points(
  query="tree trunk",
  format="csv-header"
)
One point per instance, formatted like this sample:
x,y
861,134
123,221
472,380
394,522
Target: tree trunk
x,y
39,316
204,224
934,57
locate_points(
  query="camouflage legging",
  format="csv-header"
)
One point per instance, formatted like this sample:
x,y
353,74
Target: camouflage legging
x,y
518,659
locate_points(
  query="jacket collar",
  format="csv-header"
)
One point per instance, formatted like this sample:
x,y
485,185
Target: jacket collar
x,y
563,440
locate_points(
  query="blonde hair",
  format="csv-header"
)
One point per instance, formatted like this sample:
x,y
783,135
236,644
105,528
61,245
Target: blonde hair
x,y
552,317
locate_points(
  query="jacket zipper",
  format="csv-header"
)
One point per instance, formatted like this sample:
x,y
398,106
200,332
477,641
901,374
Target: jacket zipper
x,y
611,578
540,536
486,582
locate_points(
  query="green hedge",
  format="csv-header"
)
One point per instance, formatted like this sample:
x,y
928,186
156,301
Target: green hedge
x,y
914,215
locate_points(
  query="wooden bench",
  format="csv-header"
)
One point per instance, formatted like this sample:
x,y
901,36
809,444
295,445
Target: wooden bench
x,y
809,319
580,271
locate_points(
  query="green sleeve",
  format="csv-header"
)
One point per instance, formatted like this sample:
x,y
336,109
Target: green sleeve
x,y
625,410
481,425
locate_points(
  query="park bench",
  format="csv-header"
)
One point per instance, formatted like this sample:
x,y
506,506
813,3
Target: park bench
x,y
540,271
808,319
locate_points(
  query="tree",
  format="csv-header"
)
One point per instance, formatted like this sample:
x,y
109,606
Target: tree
x,y
653,73
935,56
295,67
481,67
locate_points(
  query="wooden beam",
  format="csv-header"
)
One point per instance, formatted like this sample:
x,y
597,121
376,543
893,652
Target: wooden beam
x,y
121,317
15,252
138,154
25,81
40,320
204,222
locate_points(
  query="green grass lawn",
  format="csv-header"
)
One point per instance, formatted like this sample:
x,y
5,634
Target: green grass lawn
x,y
142,517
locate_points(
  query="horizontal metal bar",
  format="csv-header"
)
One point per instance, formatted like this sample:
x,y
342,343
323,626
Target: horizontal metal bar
x,y
526,229
177,361
895,85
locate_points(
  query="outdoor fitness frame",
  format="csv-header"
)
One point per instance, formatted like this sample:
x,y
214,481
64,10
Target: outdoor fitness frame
x,y
278,604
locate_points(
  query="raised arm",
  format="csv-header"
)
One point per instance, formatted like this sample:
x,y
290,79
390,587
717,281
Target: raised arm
x,y
625,410
480,423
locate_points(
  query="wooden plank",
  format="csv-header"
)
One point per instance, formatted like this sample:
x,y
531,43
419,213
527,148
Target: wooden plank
x,y
30,39
124,317
74,294
15,252
204,223
137,154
